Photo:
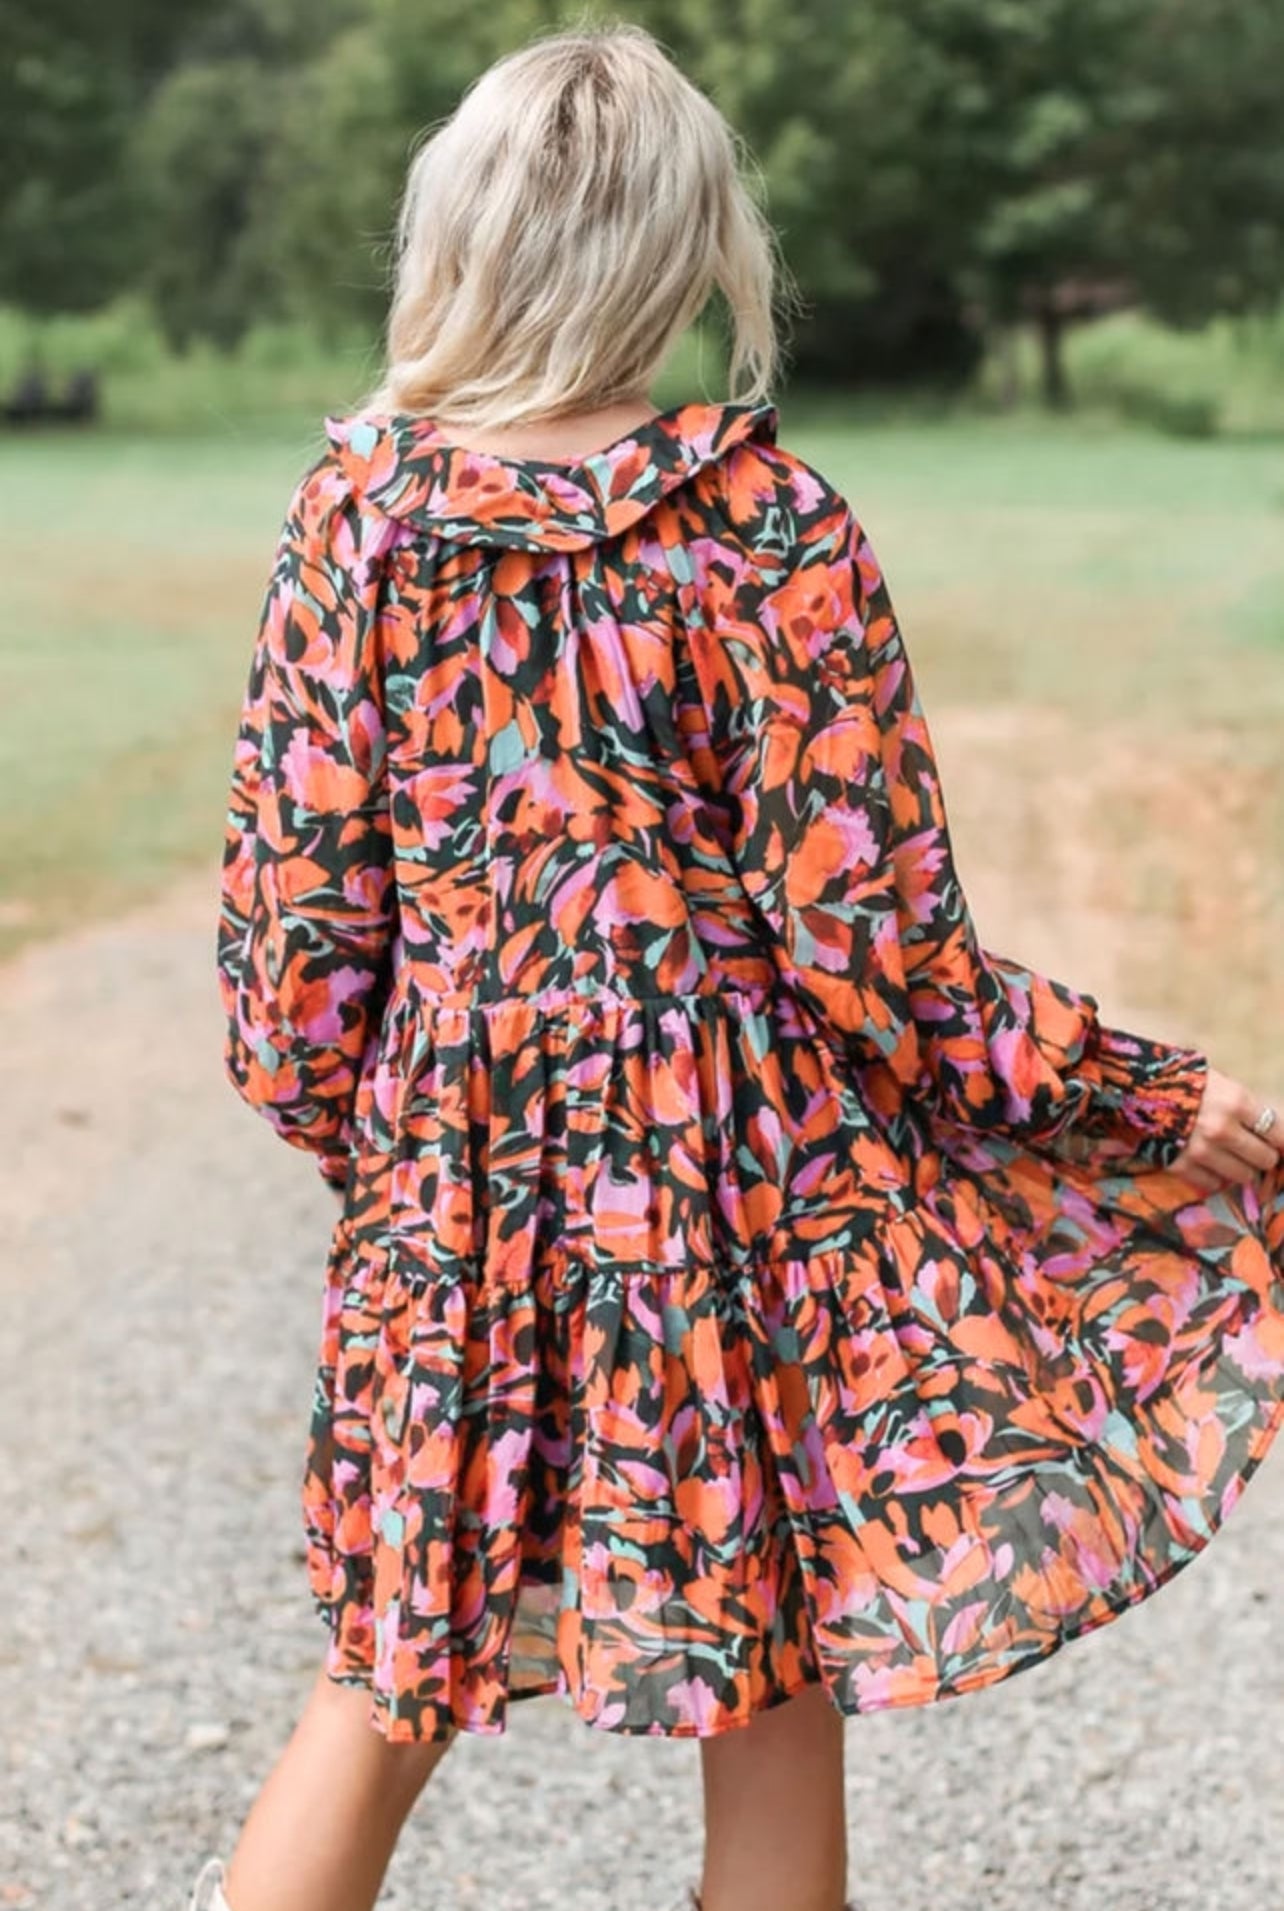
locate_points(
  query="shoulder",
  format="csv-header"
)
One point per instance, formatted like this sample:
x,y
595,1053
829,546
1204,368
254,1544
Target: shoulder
x,y
322,488
780,519
777,504
328,509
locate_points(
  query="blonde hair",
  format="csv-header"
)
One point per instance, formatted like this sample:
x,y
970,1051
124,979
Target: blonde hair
x,y
563,227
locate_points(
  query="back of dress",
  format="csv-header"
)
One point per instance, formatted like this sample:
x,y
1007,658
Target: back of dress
x,y
731,1244
536,728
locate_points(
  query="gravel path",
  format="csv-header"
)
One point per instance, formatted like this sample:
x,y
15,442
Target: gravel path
x,y
161,1266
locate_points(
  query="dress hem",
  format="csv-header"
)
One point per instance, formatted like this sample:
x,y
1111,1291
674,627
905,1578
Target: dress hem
x,y
943,1691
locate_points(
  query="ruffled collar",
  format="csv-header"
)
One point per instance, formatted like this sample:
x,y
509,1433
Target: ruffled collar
x,y
405,466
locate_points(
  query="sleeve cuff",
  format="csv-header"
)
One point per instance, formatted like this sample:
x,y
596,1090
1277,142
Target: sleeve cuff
x,y
1147,1090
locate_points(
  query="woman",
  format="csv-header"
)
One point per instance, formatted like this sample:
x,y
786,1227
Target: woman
x,y
753,1302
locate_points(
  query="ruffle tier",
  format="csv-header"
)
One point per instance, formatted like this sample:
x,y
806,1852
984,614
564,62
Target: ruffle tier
x,y
793,1396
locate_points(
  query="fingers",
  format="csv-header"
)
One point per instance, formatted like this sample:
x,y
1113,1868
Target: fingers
x,y
1250,1111
1228,1164
1223,1146
1254,1149
1213,1168
1201,1178
1259,1152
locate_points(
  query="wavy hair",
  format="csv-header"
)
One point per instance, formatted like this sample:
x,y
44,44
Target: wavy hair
x,y
560,230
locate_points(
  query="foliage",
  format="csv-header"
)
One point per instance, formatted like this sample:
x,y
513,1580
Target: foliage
x,y
1132,153
61,114
71,82
1224,379
201,149
322,232
938,170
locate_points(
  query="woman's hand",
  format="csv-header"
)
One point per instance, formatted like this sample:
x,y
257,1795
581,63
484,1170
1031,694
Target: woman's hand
x,y
1222,1145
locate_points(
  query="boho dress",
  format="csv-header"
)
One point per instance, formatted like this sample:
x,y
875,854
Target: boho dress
x,y
745,1279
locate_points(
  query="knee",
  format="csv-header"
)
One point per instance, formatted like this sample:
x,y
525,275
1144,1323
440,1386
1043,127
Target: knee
x,y
348,1702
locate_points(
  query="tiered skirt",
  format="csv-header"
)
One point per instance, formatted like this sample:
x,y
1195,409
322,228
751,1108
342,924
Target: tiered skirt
x,y
666,1365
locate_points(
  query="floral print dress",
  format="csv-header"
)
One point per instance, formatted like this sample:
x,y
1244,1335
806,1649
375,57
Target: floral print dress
x,y
744,1279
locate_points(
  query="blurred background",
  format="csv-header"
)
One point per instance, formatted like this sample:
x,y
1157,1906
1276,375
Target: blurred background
x,y
1042,248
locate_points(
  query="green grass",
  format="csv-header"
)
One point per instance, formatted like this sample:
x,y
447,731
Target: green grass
x,y
1091,562
280,378
132,575
1102,574
1224,380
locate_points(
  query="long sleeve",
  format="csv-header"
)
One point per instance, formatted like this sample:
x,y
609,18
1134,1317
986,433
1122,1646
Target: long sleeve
x,y
842,841
307,911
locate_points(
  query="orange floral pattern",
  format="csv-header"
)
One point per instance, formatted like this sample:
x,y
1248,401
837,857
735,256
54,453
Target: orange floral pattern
x,y
745,1278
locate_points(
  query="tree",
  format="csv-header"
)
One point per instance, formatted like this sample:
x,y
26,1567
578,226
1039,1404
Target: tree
x,y
1120,152
873,232
70,83
938,170
833,100
1205,179
205,160
323,214
199,153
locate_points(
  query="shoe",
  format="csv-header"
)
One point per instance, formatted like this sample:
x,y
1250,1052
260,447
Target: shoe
x,y
213,1899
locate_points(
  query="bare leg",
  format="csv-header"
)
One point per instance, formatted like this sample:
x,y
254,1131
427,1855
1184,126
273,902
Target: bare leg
x,y
775,1825
322,1829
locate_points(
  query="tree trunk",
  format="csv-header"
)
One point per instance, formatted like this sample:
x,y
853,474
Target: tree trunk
x,y
1009,372
1056,389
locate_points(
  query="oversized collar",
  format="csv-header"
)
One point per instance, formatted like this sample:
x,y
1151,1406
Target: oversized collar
x,y
405,466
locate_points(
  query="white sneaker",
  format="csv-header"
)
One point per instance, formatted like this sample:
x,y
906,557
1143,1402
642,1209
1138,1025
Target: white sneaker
x,y
211,1875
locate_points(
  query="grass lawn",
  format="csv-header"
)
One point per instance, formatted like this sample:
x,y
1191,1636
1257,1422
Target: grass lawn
x,y
133,574
1096,616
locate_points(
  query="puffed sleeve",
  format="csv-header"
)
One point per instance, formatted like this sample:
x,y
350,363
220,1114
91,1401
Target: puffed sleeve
x,y
307,911
842,841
